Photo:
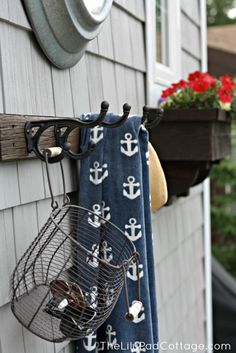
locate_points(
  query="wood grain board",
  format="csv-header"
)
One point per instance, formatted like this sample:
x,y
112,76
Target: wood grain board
x,y
12,137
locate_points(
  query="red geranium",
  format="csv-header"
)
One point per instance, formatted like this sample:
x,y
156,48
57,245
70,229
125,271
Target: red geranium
x,y
201,90
194,75
228,87
167,92
201,81
199,86
180,84
226,79
210,79
224,95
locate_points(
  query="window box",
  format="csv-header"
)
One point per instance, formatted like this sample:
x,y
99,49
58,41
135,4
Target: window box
x,y
188,142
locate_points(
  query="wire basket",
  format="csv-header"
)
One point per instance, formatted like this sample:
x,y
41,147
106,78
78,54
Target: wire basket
x,y
69,279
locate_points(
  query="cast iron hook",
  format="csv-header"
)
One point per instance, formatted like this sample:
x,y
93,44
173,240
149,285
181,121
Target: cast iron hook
x,y
99,120
81,155
152,116
62,129
119,122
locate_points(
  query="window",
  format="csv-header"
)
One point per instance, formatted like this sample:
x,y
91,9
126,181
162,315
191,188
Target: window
x,y
163,45
162,30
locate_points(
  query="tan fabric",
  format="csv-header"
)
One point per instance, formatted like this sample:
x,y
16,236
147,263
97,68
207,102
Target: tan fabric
x,y
159,192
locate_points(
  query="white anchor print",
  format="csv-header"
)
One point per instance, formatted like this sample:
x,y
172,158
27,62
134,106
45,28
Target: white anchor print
x,y
143,128
132,271
92,259
137,348
93,297
140,317
107,251
131,185
110,341
95,171
93,219
89,342
147,157
103,211
133,226
109,295
96,134
128,142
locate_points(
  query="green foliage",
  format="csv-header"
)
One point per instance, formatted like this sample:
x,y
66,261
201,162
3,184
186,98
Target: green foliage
x,y
187,98
225,173
227,256
223,215
217,12
223,218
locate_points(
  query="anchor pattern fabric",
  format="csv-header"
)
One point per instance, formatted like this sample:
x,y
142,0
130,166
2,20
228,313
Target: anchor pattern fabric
x,y
114,183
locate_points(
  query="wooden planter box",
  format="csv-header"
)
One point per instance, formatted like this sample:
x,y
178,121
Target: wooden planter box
x,y
188,142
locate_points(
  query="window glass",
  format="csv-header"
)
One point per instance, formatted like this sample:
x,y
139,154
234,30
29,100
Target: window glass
x,y
162,32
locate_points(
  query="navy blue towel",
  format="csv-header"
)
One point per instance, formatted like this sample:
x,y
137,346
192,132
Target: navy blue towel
x,y
114,183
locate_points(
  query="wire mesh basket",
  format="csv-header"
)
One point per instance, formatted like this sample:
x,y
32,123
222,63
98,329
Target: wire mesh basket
x,y
69,279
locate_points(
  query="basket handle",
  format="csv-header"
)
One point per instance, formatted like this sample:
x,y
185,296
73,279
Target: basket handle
x,y
136,307
49,153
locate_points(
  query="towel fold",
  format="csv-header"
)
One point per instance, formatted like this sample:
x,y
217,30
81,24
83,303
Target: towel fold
x,y
114,183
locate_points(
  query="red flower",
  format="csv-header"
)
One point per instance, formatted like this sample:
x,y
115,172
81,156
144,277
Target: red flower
x,y
228,87
180,84
194,76
224,95
227,83
167,92
227,80
199,86
210,79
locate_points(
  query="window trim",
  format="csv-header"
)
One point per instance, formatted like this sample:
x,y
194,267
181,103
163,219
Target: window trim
x,y
159,75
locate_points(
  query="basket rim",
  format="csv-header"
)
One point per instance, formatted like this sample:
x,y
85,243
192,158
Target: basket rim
x,y
55,212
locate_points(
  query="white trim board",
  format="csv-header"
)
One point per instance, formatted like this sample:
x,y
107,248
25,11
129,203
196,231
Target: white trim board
x,y
159,75
206,203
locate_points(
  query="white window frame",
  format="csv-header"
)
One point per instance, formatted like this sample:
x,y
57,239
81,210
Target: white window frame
x,y
160,76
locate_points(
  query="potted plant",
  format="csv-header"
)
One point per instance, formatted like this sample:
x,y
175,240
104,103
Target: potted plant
x,y
195,130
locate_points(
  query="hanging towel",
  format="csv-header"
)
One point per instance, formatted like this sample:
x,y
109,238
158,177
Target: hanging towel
x,y
114,183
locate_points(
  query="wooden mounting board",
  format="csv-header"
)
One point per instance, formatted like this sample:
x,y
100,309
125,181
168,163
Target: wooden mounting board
x,y
12,137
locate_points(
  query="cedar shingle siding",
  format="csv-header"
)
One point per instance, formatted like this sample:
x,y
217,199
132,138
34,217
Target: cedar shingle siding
x,y
113,69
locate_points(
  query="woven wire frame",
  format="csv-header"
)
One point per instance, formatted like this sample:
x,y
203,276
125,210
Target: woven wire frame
x,y
68,281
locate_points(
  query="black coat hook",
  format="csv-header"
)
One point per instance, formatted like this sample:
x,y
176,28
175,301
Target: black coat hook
x,y
63,128
152,116
61,138
119,122
99,120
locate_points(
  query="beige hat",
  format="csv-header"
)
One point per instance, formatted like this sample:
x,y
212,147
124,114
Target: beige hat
x,y
158,186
